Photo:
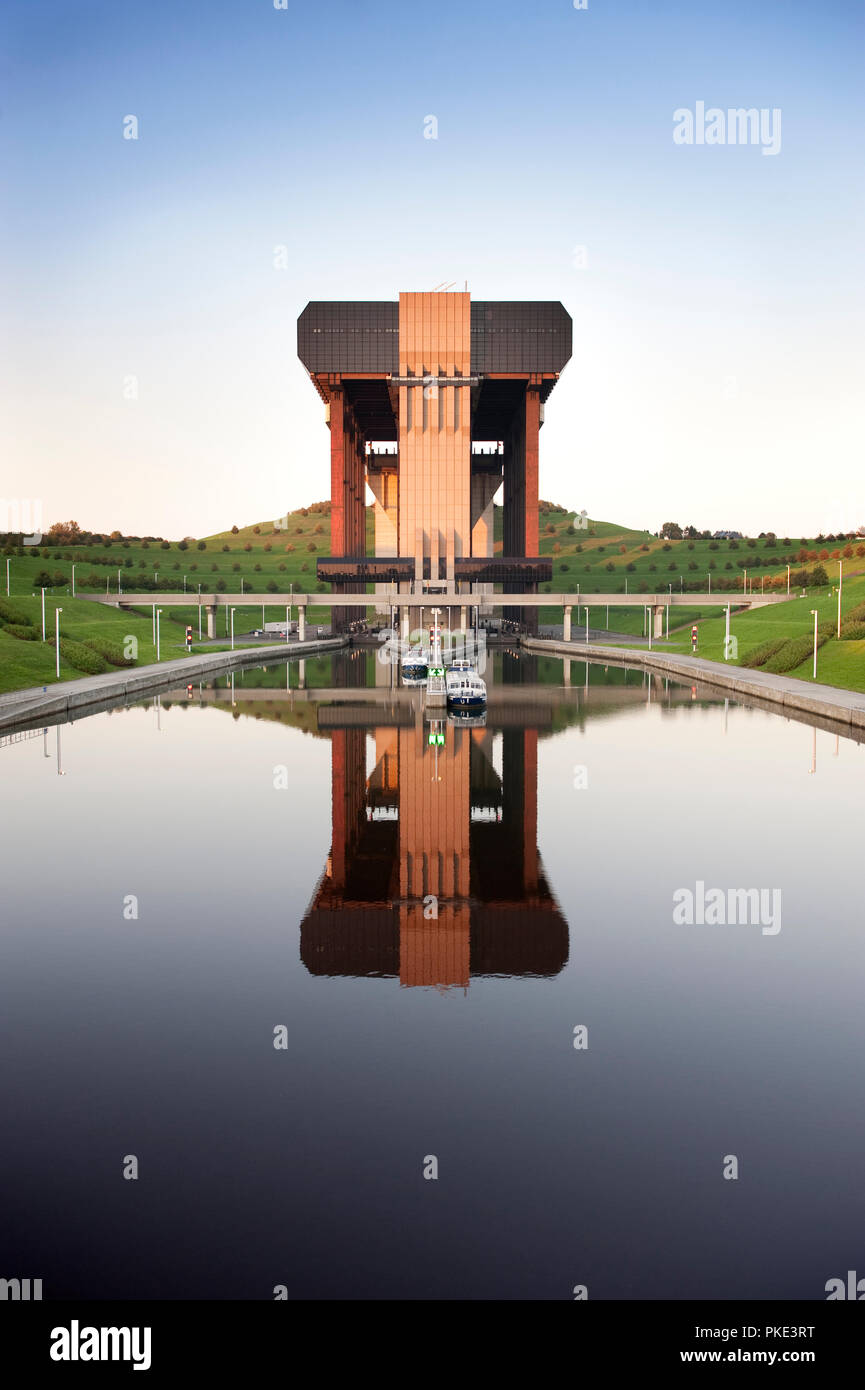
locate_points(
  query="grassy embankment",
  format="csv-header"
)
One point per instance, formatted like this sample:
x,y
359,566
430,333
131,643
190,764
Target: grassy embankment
x,y
601,557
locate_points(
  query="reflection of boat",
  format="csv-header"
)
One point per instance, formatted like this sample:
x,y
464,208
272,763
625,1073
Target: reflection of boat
x,y
468,718
415,663
465,689
410,678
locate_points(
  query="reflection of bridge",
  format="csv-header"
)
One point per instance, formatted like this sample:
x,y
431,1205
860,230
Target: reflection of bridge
x,y
434,874
371,707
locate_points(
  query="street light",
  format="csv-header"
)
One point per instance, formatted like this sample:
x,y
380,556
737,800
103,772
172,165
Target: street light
x,y
199,612
788,581
57,612
43,615
727,636
7,577
814,611
745,582
158,611
73,581
232,629
840,582
118,581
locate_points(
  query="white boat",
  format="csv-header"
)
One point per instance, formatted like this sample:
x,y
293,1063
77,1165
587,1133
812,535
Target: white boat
x,y
415,663
465,689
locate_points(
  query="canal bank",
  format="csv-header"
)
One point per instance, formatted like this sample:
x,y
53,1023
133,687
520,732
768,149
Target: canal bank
x,y
67,697
830,703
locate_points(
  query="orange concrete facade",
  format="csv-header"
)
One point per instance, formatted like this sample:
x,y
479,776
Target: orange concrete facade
x,y
435,430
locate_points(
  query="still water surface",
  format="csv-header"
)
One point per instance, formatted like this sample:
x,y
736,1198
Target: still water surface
x,y
282,844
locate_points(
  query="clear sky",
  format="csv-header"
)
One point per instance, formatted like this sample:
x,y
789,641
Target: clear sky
x,y
717,366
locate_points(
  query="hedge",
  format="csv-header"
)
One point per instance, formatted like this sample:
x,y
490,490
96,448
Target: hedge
x,y
26,633
82,657
10,614
762,653
112,651
794,652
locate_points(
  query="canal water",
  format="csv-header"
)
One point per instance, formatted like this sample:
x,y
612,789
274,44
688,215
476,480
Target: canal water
x,y
304,989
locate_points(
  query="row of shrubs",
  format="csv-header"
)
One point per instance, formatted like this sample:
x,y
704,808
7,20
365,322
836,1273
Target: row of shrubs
x,y
93,656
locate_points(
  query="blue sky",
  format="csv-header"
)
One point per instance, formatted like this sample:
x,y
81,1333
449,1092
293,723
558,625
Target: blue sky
x,y
717,320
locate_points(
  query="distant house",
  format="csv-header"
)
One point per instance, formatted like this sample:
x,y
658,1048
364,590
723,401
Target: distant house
x,y
726,535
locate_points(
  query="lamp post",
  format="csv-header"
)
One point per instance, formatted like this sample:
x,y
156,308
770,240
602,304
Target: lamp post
x,y
232,629
184,583
158,612
727,636
43,615
199,612
840,582
118,581
587,622
814,611
153,624
57,612
788,581
287,622
73,581
7,576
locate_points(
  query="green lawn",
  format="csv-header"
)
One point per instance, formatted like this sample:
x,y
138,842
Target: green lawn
x,y
839,663
603,556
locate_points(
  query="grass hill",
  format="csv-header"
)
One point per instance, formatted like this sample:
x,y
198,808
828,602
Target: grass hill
x,y
277,556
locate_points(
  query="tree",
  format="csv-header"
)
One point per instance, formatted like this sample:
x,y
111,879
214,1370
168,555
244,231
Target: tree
x,y
234,530
65,532
671,530
202,545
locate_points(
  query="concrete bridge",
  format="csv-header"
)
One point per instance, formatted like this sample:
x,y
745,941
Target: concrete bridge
x,y
658,602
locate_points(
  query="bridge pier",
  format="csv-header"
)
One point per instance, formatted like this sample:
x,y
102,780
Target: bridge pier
x,y
566,626
660,609
211,620
301,623
404,622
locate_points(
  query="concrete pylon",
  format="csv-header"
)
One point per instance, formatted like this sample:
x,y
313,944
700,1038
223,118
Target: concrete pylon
x,y
404,621
659,620
211,620
301,623
566,626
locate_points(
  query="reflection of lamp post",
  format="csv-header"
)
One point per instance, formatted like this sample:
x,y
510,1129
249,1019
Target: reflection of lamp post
x,y
814,611
57,612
